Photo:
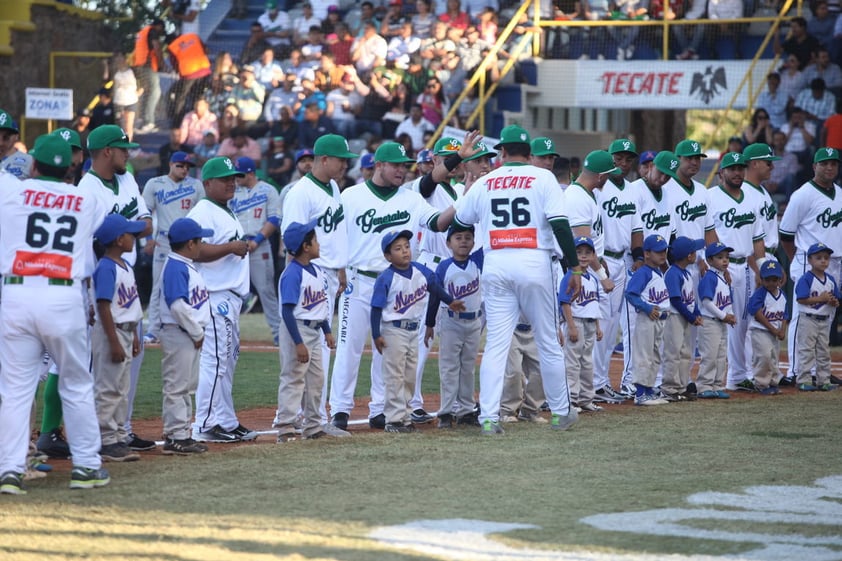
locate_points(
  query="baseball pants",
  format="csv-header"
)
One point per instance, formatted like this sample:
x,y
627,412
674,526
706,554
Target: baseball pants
x,y
400,359
162,250
646,340
220,350
813,348
137,362
180,376
430,261
764,359
262,274
354,328
523,390
301,383
628,319
611,307
519,281
458,348
713,345
35,317
739,347
111,383
678,354
578,360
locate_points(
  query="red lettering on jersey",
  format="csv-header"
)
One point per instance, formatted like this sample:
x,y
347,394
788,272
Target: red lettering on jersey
x,y
516,237
50,265
641,83
44,199
509,182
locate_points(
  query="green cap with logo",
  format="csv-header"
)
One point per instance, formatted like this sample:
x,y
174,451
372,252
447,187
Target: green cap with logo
x,y
759,151
483,151
333,145
600,161
70,136
543,146
109,136
687,148
52,150
446,145
513,134
219,167
6,121
393,153
666,162
826,153
622,145
733,159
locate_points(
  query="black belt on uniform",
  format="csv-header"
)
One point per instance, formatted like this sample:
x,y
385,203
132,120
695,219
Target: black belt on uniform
x,y
614,254
737,260
409,325
315,324
464,315
818,317
126,326
586,320
523,327
369,274
13,279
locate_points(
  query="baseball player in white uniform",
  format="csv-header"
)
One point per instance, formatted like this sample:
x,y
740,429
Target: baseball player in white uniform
x,y
622,252
316,197
813,215
45,251
258,208
223,265
521,211
12,160
372,209
169,197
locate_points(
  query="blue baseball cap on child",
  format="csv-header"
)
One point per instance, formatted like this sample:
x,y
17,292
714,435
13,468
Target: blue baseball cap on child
x,y
818,248
453,228
303,153
716,248
115,225
186,229
771,268
424,156
683,246
655,242
296,232
390,237
584,240
367,161
245,164
647,156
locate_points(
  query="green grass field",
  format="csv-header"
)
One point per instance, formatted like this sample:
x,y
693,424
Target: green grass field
x,y
362,498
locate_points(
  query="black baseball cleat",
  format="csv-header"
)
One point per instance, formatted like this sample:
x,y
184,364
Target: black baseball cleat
x,y
340,421
377,422
217,434
420,416
445,421
244,433
53,444
787,381
138,444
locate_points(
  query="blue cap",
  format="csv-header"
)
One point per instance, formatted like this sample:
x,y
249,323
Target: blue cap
x,y
584,240
771,268
245,164
683,246
390,237
367,161
647,156
655,242
186,229
181,158
818,248
716,248
295,233
115,225
455,227
424,156
303,153
86,165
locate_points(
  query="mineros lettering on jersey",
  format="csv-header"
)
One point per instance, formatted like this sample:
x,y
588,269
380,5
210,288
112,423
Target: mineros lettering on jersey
x,y
658,296
126,295
598,227
198,296
731,219
776,316
42,199
722,300
166,197
688,213
128,211
828,219
403,302
370,222
509,182
312,298
587,296
654,221
331,219
614,209
460,291
769,211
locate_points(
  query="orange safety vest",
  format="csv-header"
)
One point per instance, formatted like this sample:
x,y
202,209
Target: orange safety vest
x,y
190,56
142,52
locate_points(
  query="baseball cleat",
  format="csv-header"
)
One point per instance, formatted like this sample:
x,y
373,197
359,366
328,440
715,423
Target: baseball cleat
x,y
118,452
564,422
185,447
445,421
138,444
608,395
329,430
421,417
491,428
377,422
399,428
88,478
217,434
244,434
11,483
647,400
53,444
531,418
340,421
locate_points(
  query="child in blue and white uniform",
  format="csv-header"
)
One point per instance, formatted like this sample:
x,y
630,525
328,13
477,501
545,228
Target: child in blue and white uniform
x,y
717,308
767,328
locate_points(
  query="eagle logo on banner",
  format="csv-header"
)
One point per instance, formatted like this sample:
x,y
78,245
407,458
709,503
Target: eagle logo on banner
x,y
708,84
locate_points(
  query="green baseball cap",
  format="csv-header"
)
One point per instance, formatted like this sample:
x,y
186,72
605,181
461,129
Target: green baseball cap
x,y
826,153
543,146
70,136
6,121
622,145
220,167
688,148
600,161
109,136
52,150
513,134
759,151
333,145
446,145
393,153
666,162
483,151
733,159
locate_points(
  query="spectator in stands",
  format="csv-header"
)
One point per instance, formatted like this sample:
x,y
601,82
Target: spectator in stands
x,y
817,102
433,102
402,45
303,165
126,93
206,149
189,58
148,61
379,95
487,25
390,25
792,79
822,24
197,123
799,43
166,151
369,50
340,46
438,47
454,17
224,69
689,39
295,64
311,51
103,112
735,144
356,19
800,133
276,29
81,124
831,132
759,129
725,9
626,37
468,106
333,19
415,78
249,96
423,20
265,68
255,44
314,125
286,126
186,12
415,125
823,68
240,144
279,164
774,101
308,94
230,119
302,24
343,103
321,8
475,7
329,74
782,179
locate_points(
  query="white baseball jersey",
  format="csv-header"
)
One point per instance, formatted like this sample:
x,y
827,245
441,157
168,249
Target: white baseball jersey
x,y
306,287
370,217
582,210
18,164
309,199
182,281
115,283
808,286
689,205
462,280
620,216
508,203
737,221
255,206
655,213
813,215
444,196
768,212
774,308
170,200
58,222
714,288
648,283
402,294
679,282
586,304
230,272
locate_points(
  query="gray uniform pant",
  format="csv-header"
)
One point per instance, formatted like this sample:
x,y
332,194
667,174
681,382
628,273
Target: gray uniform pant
x,y
764,358
523,388
400,357
646,348
301,383
813,347
578,359
678,354
458,347
162,250
262,274
111,384
179,375
713,348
